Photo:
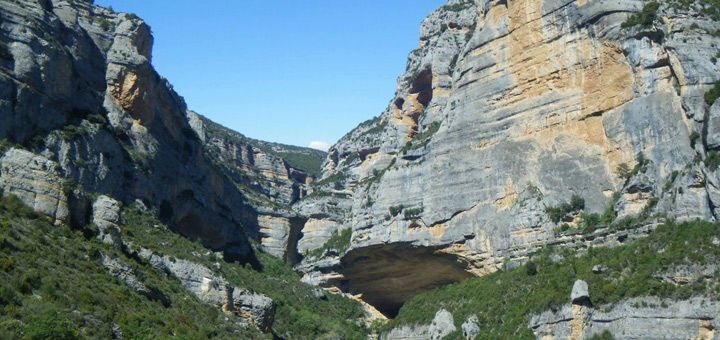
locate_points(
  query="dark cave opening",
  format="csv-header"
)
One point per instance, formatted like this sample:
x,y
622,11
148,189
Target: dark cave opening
x,y
422,86
389,275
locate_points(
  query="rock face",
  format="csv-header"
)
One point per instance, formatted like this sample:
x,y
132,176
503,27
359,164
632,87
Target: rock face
x,y
646,318
36,181
441,326
508,108
78,90
214,289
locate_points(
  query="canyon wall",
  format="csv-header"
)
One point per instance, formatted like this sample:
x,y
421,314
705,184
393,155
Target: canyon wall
x,y
506,109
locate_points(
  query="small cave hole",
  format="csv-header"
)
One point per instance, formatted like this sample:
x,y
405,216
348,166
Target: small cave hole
x,y
422,86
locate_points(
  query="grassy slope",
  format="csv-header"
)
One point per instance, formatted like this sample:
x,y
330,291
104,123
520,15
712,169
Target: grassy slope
x,y
305,159
299,314
53,286
504,301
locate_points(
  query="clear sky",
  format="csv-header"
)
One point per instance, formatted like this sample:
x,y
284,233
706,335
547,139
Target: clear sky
x,y
284,71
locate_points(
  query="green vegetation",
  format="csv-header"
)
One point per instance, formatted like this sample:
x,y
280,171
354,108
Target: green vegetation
x,y
378,174
712,95
710,8
605,335
305,159
504,301
299,314
4,146
5,51
712,161
70,132
422,138
646,18
412,213
52,285
377,129
625,172
104,23
337,178
590,221
339,240
394,210
457,7
558,212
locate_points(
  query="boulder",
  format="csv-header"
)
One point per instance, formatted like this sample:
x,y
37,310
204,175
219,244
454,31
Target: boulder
x,y
471,327
580,293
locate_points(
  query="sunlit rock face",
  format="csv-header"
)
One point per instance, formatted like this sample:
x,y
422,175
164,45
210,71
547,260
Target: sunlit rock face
x,y
510,107
78,91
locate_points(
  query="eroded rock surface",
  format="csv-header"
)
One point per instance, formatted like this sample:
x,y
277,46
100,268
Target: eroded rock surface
x,y
639,318
508,108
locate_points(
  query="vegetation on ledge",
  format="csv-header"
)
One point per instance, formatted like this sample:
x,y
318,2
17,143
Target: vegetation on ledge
x,y
504,301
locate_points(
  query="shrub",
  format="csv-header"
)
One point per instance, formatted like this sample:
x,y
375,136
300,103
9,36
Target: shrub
x,y
51,325
8,296
70,132
4,145
558,212
339,240
531,268
712,161
694,136
97,119
645,18
7,264
5,51
413,212
394,210
712,95
605,335
623,171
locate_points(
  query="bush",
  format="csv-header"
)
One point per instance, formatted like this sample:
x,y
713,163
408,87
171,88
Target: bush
x,y
712,95
8,296
531,268
645,18
5,51
712,161
51,325
558,212
394,210
339,240
4,145
70,132
605,335
412,212
623,171
97,119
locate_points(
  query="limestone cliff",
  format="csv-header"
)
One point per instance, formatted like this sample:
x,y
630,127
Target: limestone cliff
x,y
506,109
77,89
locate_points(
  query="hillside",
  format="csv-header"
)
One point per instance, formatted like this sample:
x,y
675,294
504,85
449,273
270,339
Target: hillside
x,y
546,169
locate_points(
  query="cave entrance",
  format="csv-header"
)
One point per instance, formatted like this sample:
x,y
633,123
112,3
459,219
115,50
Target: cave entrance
x,y
390,274
422,86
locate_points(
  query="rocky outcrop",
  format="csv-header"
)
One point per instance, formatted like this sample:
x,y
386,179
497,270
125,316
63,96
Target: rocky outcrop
x,y
209,287
36,181
508,108
77,87
206,284
471,327
440,326
640,318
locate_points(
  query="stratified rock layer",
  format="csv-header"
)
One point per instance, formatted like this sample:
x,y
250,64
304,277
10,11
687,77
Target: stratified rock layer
x,y
511,107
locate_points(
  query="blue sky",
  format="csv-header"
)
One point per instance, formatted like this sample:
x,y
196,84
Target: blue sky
x,y
283,71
